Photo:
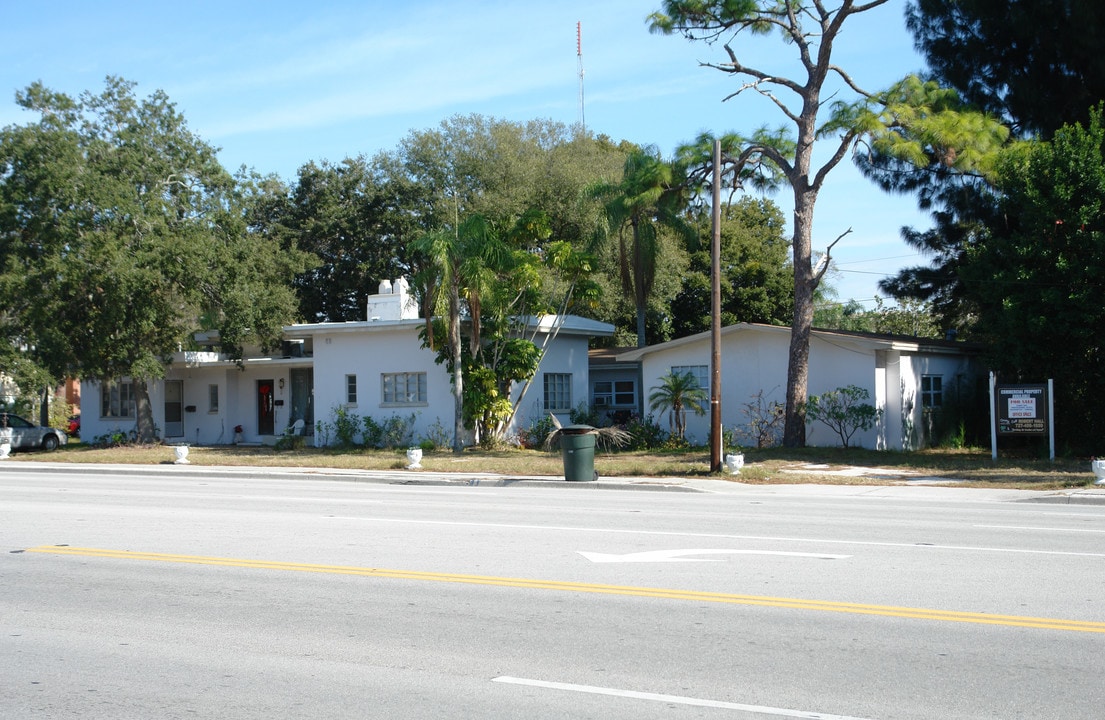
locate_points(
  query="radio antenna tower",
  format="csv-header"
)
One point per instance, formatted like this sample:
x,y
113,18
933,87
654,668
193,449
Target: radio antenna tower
x,y
579,57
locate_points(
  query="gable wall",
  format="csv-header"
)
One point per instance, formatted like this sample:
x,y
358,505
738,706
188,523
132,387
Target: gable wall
x,y
372,353
368,355
754,360
565,354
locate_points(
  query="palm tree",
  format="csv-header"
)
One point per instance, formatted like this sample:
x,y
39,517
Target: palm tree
x,y
652,194
677,393
456,268
440,279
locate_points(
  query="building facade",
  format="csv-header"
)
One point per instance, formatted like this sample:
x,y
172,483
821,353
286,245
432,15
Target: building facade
x,y
376,368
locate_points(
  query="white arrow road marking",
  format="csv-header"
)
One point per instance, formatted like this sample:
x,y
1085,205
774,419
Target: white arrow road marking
x,y
680,555
680,699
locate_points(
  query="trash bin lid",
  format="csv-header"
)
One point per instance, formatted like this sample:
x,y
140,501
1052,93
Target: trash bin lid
x,y
577,429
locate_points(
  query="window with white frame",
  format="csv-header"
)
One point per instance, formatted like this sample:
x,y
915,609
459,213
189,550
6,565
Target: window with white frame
x,y
117,399
614,393
403,388
351,389
701,373
212,398
932,392
558,392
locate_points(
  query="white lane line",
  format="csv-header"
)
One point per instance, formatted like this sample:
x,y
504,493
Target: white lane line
x,y
825,541
658,697
682,555
1044,529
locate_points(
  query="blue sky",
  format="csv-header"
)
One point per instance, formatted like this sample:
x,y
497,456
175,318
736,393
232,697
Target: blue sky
x,y
277,84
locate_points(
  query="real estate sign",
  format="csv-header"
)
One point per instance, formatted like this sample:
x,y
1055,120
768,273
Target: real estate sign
x,y
1021,409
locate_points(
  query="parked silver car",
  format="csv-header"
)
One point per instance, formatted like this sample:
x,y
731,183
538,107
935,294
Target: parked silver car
x,y
28,436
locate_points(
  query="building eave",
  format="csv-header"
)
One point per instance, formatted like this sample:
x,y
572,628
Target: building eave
x,y
245,363
869,341
566,324
306,330
569,324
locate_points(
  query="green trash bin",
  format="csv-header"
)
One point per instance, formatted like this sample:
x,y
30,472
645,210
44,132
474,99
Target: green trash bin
x,y
577,447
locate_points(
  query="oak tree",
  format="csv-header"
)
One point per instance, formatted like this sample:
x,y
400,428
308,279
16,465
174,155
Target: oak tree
x,y
121,234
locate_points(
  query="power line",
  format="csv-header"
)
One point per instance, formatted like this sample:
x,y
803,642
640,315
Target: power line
x,y
895,257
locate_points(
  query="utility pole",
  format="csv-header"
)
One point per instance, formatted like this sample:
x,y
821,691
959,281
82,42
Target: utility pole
x,y
715,311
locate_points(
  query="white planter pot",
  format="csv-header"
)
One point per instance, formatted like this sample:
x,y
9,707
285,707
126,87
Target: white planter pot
x,y
5,450
1098,468
180,452
414,458
734,462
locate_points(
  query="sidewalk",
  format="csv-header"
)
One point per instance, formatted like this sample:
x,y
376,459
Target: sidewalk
x,y
1075,496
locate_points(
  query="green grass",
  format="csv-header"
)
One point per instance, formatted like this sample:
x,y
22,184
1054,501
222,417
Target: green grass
x,y
776,465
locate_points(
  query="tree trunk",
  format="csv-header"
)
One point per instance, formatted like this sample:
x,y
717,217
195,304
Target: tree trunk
x,y
458,369
44,407
143,426
798,367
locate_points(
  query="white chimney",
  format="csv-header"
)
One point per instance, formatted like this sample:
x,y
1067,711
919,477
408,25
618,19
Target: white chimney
x,y
393,302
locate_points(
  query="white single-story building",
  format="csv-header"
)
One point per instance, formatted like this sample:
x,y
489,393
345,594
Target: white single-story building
x,y
376,367
908,379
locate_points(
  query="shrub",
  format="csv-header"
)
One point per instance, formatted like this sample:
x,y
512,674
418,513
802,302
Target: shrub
x,y
116,438
60,412
373,432
674,442
644,433
438,435
393,432
322,432
346,426
842,411
583,414
290,442
765,420
534,435
399,431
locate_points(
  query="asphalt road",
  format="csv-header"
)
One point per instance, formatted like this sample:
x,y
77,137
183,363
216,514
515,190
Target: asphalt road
x,y
214,595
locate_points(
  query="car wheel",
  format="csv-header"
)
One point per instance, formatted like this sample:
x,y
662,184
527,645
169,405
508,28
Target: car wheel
x,y
50,443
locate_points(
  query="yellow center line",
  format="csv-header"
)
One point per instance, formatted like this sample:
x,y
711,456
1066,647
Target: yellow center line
x,y
567,586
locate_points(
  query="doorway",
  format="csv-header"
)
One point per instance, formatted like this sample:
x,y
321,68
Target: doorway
x,y
174,408
303,398
266,417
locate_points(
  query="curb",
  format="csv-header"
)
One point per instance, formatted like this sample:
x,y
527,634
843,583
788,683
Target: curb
x,y
1086,496
383,477
1076,497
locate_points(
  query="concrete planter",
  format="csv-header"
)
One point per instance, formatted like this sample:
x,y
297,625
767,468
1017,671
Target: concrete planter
x,y
1098,468
180,455
734,462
